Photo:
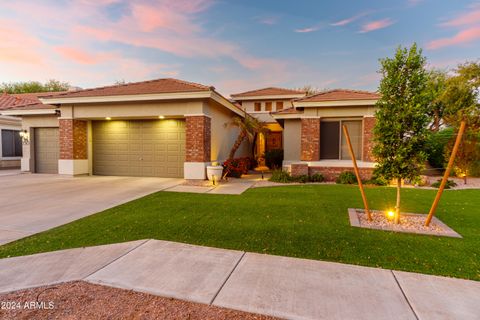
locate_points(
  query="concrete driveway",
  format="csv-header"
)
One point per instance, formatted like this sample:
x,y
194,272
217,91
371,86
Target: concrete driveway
x,y
31,203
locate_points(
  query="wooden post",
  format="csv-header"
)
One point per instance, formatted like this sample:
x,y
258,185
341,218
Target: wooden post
x,y
446,174
357,173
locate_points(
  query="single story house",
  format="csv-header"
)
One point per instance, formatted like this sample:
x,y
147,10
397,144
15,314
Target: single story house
x,y
261,103
313,139
162,128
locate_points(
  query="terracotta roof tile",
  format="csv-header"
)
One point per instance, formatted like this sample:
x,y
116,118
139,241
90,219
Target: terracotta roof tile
x,y
167,85
288,111
271,91
340,95
8,101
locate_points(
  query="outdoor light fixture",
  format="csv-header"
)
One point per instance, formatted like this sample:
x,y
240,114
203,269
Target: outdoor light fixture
x,y
161,117
390,214
108,118
25,136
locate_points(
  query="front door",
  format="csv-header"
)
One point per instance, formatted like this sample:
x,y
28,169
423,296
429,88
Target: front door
x,y
274,141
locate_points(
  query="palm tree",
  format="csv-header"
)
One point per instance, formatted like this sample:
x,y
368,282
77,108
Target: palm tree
x,y
249,128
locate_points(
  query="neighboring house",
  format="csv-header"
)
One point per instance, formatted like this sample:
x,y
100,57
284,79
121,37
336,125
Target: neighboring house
x,y
10,140
260,104
313,138
163,128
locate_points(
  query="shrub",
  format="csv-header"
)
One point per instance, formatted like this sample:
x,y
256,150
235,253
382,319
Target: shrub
x,y
346,177
377,180
301,179
436,145
448,185
274,158
238,166
280,176
317,177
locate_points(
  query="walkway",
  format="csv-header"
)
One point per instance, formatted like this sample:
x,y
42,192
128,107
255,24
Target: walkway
x,y
272,285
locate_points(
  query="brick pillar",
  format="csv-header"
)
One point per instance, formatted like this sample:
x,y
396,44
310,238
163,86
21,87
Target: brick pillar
x,y
73,139
198,139
310,140
368,125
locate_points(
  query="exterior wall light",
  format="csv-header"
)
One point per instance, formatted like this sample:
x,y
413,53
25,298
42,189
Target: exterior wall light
x,y
25,136
108,118
161,117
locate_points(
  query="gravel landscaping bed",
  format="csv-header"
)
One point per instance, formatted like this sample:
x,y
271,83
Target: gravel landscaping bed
x,y
82,300
409,222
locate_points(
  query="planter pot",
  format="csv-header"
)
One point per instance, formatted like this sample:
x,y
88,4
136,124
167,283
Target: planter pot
x,y
214,171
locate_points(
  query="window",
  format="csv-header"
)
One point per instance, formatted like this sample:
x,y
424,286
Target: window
x,y
279,105
11,143
268,106
333,143
257,106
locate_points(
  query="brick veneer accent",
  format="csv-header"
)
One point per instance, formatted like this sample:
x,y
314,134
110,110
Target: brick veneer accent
x,y
310,139
298,169
73,139
198,136
331,173
368,125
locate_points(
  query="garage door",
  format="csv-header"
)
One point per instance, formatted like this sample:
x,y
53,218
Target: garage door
x,y
143,148
46,150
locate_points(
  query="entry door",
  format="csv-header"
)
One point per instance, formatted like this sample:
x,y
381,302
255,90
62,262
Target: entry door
x,y
46,145
143,148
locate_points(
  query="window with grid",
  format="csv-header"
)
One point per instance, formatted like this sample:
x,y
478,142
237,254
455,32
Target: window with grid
x,y
257,106
11,143
279,105
268,106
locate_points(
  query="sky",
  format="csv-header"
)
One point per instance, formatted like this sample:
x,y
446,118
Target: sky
x,y
234,45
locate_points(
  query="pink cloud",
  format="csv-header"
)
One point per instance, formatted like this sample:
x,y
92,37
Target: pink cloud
x,y
376,25
17,45
271,20
462,37
79,55
469,18
307,30
344,22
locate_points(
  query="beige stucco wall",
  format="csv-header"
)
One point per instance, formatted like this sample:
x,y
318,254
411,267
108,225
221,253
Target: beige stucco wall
x,y
353,111
132,110
292,139
263,115
223,137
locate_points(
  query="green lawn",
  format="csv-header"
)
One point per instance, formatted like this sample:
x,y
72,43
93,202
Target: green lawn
x,y
308,221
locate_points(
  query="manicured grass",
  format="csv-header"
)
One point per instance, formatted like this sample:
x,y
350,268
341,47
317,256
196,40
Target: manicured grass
x,y
308,221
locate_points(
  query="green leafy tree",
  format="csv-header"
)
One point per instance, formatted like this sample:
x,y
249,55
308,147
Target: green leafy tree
x,y
34,86
436,85
248,127
401,130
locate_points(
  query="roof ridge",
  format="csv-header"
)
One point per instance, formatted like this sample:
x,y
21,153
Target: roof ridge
x,y
266,88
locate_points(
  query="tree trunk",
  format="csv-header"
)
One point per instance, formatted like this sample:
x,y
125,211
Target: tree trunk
x,y
236,145
397,207
436,121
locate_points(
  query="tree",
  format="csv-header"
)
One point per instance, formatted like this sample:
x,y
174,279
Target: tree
x,y
249,127
34,86
460,97
435,88
309,90
401,130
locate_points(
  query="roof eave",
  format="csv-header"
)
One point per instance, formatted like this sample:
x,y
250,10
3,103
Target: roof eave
x,y
335,103
268,97
28,112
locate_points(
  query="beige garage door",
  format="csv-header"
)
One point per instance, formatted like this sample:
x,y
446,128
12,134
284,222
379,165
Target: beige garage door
x,y
143,148
46,150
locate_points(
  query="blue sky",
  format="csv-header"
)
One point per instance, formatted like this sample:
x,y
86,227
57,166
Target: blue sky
x,y
233,45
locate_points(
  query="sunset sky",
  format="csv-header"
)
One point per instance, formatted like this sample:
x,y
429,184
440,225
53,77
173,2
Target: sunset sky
x,y
233,45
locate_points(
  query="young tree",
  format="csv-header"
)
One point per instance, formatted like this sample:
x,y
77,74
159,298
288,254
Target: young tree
x,y
249,127
436,85
401,130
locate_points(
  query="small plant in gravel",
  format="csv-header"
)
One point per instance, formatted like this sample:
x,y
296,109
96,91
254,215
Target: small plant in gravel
x,y
346,177
450,184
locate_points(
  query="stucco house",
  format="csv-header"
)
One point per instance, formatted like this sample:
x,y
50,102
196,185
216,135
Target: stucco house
x,y
260,103
313,138
163,128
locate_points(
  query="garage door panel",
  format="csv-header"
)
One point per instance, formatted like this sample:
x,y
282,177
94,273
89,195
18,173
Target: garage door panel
x,y
47,150
139,148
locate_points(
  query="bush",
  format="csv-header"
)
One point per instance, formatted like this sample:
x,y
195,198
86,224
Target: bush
x,y
301,179
280,176
436,145
237,166
377,180
317,177
448,185
274,158
346,177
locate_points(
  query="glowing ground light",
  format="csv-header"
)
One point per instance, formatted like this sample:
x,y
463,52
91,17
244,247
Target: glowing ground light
x,y
390,214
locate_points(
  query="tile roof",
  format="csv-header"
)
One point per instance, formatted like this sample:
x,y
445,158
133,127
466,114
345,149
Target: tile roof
x,y
31,100
167,85
8,101
340,95
271,91
288,111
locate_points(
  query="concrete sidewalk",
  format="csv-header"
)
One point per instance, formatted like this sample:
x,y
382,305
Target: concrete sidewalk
x,y
272,285
233,186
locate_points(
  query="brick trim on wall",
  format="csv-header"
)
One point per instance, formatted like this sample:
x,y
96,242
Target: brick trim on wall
x,y
198,138
73,139
332,173
368,125
310,139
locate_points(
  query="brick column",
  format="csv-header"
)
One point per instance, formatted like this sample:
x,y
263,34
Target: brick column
x,y
73,139
310,140
368,125
198,139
